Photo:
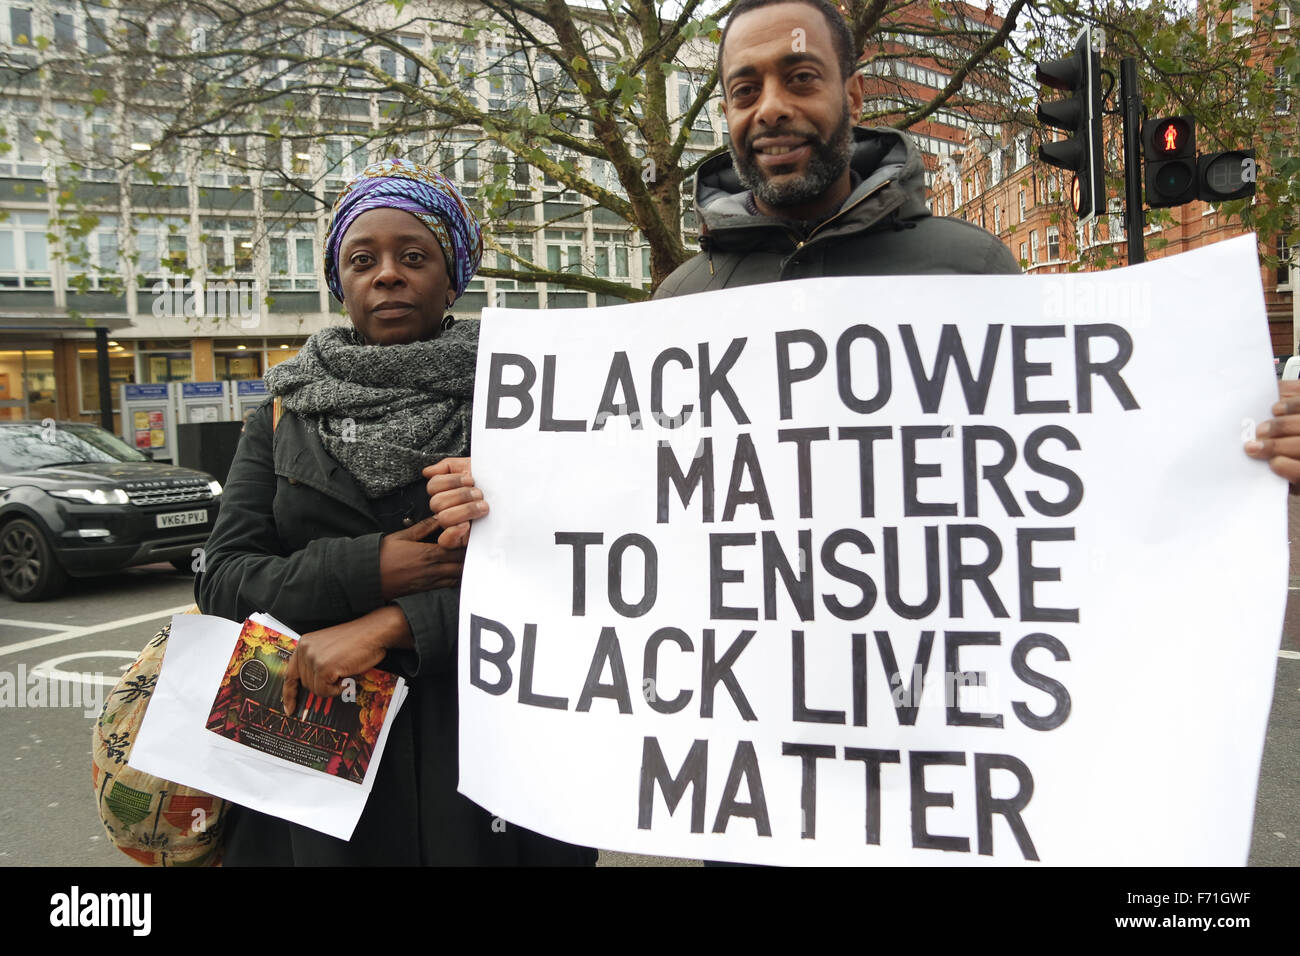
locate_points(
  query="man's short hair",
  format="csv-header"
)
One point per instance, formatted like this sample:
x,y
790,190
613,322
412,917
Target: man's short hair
x,y
841,36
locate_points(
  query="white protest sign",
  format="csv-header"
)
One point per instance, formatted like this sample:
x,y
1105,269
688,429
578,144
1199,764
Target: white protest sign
x,y
907,570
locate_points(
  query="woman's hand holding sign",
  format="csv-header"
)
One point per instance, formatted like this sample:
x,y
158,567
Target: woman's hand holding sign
x,y
1277,440
454,500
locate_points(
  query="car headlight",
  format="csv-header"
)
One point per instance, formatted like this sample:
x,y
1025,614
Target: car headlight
x,y
94,496
214,487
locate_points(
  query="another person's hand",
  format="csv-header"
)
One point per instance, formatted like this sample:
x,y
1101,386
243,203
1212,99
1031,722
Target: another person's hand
x,y
454,500
1277,440
324,658
408,563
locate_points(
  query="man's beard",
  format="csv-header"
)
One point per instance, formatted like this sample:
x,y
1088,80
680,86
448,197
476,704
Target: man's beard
x,y
828,161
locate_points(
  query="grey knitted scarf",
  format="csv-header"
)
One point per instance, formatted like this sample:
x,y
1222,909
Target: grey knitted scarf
x,y
383,412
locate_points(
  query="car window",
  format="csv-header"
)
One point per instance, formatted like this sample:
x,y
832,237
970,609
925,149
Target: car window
x,y
31,446
106,442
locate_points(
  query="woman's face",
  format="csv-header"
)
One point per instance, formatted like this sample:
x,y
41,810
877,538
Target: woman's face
x,y
395,283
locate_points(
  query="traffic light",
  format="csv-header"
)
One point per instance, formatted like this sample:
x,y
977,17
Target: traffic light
x,y
1080,114
1169,147
1227,175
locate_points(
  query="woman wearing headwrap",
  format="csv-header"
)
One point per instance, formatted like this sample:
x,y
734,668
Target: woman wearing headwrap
x,y
325,522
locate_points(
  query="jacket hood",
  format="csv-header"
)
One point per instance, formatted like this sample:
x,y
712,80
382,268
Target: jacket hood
x,y
885,160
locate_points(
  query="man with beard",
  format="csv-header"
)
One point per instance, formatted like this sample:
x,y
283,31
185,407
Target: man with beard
x,y
805,193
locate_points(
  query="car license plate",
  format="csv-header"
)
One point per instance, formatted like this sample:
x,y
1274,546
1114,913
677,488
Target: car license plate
x,y
178,519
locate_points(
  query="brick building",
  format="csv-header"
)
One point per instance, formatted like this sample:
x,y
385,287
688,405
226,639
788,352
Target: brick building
x,y
998,182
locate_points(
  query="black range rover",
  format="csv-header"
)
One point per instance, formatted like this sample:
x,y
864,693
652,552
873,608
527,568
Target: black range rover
x,y
76,500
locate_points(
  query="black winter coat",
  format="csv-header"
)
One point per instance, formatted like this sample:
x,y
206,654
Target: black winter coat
x,y
882,229
297,538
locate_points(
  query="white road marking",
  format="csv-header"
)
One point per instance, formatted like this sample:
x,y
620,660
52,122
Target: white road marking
x,y
1289,655
49,670
39,625
76,632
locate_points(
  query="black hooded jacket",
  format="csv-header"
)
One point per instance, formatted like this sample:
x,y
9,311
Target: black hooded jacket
x,y
883,228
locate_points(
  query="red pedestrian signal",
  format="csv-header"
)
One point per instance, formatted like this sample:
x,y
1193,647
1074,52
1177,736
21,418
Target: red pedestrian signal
x,y
1169,146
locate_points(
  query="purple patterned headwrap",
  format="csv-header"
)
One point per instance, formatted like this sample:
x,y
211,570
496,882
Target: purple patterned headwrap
x,y
426,194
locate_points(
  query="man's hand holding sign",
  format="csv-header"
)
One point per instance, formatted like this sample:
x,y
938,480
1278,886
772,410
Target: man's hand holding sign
x,y
1277,440
903,584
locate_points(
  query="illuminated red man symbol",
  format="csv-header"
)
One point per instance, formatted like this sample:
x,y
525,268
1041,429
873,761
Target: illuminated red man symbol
x,y
1171,138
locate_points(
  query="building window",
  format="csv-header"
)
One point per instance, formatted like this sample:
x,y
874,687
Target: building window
x,y
161,249
121,370
1022,205
106,246
1243,19
238,358
24,251
27,385
459,163
228,246
1281,90
1053,244
20,26
293,259
564,250
25,157
344,159
1033,247
458,64
610,251
90,259
522,248
604,175
1023,257
688,88
1115,223
166,361
281,350
65,32
997,218
1283,262
1283,21
410,68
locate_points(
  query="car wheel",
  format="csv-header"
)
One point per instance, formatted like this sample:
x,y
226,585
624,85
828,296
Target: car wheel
x,y
183,565
28,568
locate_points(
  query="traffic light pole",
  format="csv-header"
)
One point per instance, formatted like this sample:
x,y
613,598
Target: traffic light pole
x,y
1130,95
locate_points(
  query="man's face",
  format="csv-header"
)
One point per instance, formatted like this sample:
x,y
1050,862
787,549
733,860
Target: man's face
x,y
789,111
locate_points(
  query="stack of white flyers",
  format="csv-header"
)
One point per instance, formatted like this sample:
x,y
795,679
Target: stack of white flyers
x,y
216,722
